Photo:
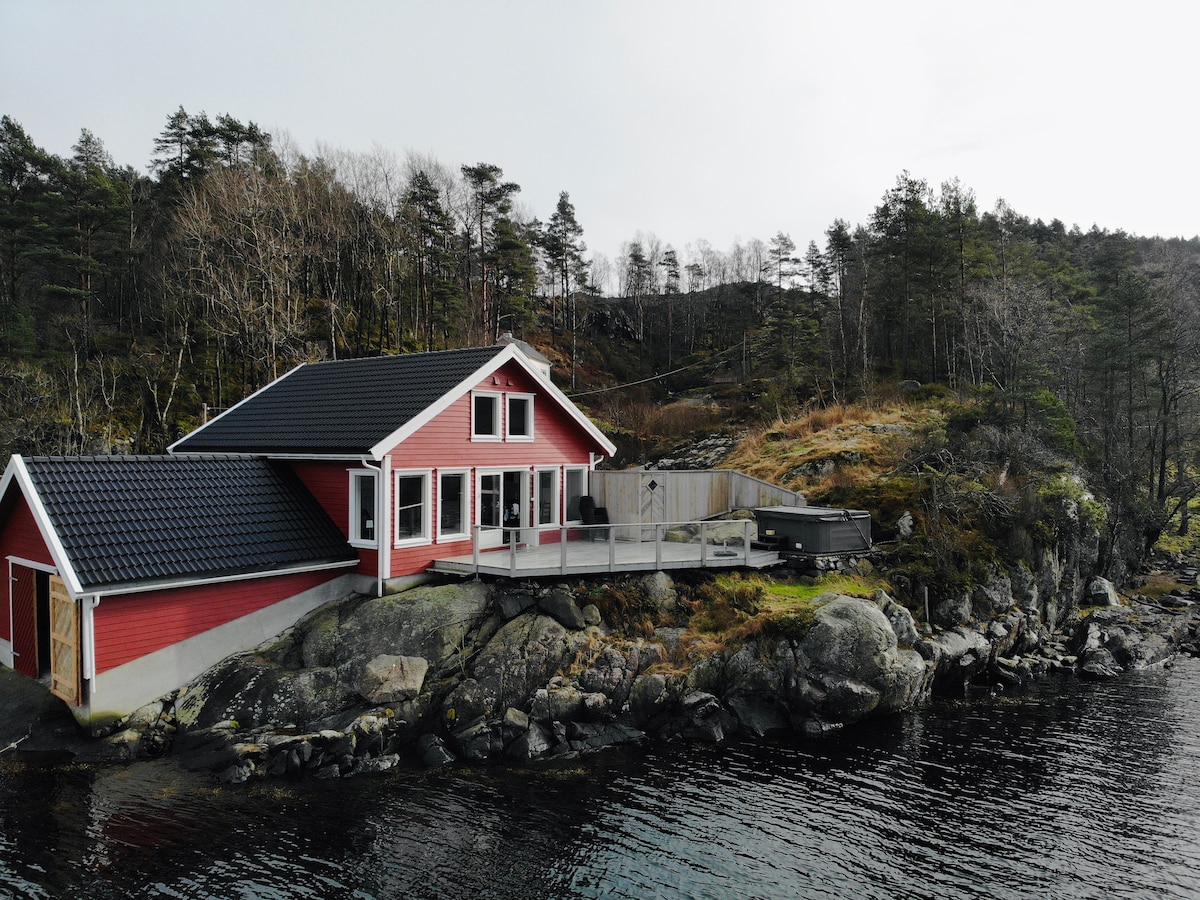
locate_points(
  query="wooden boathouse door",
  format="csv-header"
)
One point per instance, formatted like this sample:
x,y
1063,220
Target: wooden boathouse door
x,y
23,594
65,681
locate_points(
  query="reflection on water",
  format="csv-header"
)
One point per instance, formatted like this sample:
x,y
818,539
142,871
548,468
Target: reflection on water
x,y
1076,790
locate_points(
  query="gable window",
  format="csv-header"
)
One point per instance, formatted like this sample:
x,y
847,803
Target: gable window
x,y
520,417
452,505
362,509
485,417
412,507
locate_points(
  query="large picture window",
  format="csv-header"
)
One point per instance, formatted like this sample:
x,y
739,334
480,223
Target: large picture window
x,y
362,508
485,417
452,505
412,507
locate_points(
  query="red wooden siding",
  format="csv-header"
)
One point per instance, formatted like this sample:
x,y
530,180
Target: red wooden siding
x,y
20,537
129,626
329,482
19,534
445,442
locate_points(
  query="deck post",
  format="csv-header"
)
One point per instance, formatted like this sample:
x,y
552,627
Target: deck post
x,y
746,542
612,549
475,548
514,536
703,545
562,550
657,548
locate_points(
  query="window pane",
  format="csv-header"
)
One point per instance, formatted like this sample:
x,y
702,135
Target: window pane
x,y
410,506
485,415
451,494
518,416
574,489
545,497
365,507
489,500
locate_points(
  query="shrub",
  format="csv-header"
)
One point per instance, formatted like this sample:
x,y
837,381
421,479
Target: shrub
x,y
625,607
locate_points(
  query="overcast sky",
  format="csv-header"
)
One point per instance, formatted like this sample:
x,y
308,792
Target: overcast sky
x,y
692,120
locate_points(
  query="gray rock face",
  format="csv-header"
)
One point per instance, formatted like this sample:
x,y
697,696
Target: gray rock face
x,y
993,598
963,654
1100,592
467,671
429,622
953,611
899,618
522,657
511,604
853,664
390,679
560,605
659,589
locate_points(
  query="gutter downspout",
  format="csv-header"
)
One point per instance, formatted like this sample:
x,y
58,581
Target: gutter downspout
x,y
380,536
385,523
89,645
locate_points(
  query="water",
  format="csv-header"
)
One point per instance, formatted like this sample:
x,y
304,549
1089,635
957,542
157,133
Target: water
x,y
1074,790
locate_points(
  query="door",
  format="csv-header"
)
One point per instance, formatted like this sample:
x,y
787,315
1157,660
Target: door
x,y
65,680
503,504
652,502
23,587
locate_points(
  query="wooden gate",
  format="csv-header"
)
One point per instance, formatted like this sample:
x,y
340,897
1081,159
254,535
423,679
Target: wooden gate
x,y
65,681
652,503
24,620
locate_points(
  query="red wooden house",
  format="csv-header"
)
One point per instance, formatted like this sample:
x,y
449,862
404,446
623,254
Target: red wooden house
x,y
131,575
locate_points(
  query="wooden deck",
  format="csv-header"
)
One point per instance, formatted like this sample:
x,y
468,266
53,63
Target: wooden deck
x,y
612,548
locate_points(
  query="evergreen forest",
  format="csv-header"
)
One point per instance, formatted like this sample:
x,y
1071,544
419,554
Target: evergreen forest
x,y
134,303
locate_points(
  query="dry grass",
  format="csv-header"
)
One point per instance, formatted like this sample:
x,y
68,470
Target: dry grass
x,y
836,445
1158,584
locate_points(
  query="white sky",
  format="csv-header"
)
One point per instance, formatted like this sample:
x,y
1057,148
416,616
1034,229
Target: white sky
x,y
692,120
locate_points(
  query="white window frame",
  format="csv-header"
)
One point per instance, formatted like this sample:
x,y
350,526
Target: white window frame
x,y
498,408
555,514
583,478
357,476
426,535
508,417
464,502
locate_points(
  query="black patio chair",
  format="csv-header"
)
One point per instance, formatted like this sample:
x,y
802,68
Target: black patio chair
x,y
593,515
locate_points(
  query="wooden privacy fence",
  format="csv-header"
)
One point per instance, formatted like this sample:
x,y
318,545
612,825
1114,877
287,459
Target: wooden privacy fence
x,y
678,495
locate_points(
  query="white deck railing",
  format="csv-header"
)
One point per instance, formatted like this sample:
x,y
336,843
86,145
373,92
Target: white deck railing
x,y
584,546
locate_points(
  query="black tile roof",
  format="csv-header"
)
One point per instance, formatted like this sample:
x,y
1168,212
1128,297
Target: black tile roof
x,y
126,520
339,407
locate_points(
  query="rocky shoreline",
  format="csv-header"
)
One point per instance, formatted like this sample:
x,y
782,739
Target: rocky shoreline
x,y
475,672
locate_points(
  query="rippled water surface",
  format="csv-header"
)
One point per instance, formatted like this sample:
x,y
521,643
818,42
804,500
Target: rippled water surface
x,y
1074,790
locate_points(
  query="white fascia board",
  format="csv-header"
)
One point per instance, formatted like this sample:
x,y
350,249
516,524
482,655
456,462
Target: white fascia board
x,y
610,449
18,473
510,352
423,418
218,418
143,587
